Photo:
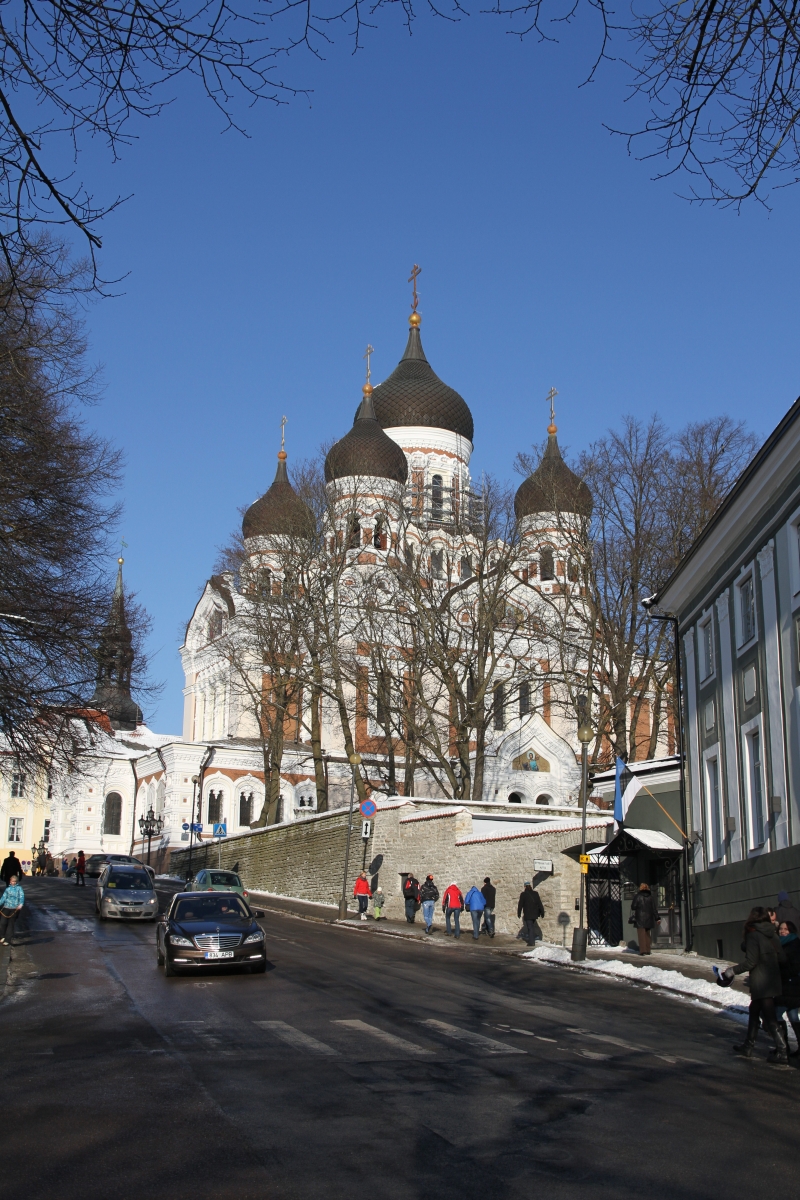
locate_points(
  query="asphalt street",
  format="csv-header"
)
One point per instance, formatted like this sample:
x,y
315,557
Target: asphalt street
x,y
365,1065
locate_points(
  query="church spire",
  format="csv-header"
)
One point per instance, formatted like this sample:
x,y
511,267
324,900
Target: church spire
x,y
114,662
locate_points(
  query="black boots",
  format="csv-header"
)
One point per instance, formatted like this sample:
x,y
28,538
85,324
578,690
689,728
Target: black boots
x,y
746,1049
780,1055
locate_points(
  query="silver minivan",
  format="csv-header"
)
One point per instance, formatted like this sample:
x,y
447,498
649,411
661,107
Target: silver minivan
x,y
126,891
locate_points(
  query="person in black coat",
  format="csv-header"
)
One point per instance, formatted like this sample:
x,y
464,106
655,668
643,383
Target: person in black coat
x,y
11,866
644,916
789,999
489,893
763,956
530,908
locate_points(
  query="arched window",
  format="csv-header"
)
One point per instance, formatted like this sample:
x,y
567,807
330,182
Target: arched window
x,y
379,537
466,567
499,707
546,567
214,807
572,571
515,798
215,625
544,799
437,498
112,814
524,698
437,563
354,538
245,808
264,583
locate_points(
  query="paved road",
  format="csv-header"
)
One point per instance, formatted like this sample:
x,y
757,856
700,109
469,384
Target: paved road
x,y
365,1066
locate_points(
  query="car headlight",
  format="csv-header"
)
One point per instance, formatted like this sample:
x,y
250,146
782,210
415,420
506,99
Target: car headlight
x,y
153,901
254,937
176,940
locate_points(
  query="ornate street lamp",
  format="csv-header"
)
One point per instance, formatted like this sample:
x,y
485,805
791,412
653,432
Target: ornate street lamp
x,y
585,736
150,825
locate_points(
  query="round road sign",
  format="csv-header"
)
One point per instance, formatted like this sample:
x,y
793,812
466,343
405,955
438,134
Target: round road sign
x,y
368,808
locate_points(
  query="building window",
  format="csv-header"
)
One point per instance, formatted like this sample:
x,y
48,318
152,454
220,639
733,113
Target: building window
x,y
466,567
499,707
245,808
437,498
112,814
354,536
214,808
379,537
747,610
264,583
524,698
755,782
572,571
437,564
546,565
544,798
15,825
515,798
706,650
714,800
749,685
710,713
17,784
215,625
46,834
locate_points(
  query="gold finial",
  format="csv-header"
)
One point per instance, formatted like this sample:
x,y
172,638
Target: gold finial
x,y
120,561
415,271
551,399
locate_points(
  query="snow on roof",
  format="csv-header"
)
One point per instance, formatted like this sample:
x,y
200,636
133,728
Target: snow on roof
x,y
646,766
526,833
653,839
435,815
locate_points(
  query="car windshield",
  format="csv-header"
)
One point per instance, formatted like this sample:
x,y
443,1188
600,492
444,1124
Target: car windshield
x,y
226,878
131,881
209,908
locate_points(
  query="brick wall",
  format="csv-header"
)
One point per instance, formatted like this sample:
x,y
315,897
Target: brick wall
x,y
306,860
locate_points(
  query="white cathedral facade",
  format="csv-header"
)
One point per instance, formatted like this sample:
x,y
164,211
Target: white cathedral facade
x,y
407,460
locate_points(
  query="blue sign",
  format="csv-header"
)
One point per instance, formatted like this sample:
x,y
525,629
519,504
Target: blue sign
x,y
220,830
368,808
197,827
185,827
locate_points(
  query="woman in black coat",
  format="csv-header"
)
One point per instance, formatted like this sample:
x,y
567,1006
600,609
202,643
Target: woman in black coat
x,y
789,999
763,955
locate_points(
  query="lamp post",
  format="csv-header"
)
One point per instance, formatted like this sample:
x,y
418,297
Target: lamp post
x,y
195,781
149,825
355,762
585,736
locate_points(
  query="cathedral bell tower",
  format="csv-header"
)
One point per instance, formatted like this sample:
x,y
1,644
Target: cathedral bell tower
x,y
115,656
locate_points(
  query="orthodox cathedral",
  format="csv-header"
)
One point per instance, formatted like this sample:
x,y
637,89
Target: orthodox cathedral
x,y
400,474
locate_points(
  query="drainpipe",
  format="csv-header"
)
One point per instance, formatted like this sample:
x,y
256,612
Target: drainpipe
x,y
135,795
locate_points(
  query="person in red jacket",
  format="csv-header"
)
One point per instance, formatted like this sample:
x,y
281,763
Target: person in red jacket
x,y
80,870
362,892
453,903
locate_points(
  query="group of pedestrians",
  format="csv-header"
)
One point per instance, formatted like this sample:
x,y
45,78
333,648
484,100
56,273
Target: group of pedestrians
x,y
771,949
12,898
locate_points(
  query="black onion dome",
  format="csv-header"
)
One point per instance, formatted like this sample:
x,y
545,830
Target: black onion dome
x,y
366,450
552,487
280,510
415,395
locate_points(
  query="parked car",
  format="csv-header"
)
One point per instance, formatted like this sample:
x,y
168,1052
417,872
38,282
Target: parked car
x,y
126,891
200,929
211,880
96,862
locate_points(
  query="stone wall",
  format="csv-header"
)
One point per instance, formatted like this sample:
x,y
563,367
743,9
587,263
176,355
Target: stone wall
x,y
306,860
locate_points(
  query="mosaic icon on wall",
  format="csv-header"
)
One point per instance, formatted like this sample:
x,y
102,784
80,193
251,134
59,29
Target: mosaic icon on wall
x,y
530,761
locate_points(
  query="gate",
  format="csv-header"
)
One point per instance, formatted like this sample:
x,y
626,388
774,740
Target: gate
x,y
604,901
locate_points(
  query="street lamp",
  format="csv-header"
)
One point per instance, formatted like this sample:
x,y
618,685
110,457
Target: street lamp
x,y
150,825
355,762
35,852
195,781
585,736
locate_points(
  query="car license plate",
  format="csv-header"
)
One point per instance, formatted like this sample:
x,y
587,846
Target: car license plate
x,y
219,954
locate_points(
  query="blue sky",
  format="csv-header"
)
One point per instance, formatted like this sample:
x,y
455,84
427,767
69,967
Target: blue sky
x,y
259,268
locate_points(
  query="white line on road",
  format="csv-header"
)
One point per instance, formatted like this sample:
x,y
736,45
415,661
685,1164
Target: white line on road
x,y
390,1039
476,1040
296,1038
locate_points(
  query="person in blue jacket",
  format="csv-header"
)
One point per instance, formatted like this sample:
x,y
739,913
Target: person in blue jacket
x,y
475,903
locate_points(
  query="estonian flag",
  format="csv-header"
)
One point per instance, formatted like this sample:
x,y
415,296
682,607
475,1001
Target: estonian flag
x,y
626,788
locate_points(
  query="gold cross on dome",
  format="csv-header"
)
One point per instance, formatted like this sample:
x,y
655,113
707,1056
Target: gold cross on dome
x,y
283,432
415,271
369,350
551,398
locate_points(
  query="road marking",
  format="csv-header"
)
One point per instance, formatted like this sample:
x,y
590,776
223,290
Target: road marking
x,y
476,1040
594,1055
296,1038
612,1041
390,1039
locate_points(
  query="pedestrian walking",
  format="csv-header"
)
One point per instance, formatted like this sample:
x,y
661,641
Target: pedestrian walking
x,y
786,911
530,908
489,893
64,866
763,955
11,866
12,901
80,870
362,892
411,897
453,905
644,916
378,901
789,999
475,903
428,894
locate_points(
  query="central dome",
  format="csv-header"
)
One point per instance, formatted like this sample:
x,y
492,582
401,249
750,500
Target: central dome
x,y
415,395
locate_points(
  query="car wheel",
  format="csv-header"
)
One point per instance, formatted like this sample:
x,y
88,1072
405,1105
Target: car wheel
x,y
101,914
258,968
169,970
159,955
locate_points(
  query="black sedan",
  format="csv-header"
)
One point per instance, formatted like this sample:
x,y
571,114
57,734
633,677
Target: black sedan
x,y
201,929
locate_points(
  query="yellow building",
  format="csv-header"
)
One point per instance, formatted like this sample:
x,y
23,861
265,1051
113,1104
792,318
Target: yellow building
x,y
24,817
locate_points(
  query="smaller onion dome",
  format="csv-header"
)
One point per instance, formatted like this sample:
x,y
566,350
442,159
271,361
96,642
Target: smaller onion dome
x,y
552,487
280,510
366,449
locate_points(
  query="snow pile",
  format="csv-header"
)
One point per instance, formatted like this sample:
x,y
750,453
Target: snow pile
x,y
698,989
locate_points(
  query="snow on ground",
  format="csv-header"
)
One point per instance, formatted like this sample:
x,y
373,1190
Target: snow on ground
x,y
697,989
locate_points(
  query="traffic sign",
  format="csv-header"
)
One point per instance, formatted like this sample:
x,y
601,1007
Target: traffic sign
x,y
220,829
185,826
197,827
584,858
584,868
368,808
366,830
